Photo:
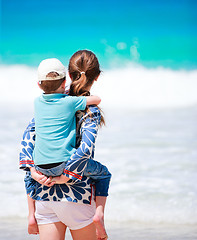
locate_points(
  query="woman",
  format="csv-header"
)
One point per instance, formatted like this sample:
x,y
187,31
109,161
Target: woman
x,y
84,70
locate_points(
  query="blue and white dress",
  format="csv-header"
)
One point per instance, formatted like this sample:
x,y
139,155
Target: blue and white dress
x,y
80,188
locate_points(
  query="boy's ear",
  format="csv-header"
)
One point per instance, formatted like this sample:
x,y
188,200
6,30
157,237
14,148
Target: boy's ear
x,y
39,85
63,83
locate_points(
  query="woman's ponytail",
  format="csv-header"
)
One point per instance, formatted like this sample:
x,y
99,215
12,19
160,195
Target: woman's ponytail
x,y
78,86
83,69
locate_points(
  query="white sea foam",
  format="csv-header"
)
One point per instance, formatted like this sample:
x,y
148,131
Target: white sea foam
x,y
138,87
132,87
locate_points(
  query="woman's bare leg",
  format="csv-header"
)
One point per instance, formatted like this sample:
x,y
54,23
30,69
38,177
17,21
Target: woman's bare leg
x,y
52,231
32,223
86,233
99,218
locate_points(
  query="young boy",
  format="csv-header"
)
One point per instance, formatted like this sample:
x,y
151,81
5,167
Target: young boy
x,y
55,124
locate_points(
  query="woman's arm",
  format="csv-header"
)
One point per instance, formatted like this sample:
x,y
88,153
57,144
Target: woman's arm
x,y
27,147
76,165
25,157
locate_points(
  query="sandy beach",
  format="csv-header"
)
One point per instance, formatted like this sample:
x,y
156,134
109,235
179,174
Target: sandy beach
x,y
16,229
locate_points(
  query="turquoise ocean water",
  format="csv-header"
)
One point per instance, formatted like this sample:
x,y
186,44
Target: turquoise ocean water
x,y
152,33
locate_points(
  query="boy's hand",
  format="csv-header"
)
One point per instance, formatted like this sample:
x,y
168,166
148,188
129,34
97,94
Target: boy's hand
x,y
60,180
42,179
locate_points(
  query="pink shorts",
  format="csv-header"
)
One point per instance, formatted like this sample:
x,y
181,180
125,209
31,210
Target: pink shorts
x,y
73,215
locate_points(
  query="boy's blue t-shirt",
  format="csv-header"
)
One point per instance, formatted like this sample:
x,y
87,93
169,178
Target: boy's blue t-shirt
x,y
55,126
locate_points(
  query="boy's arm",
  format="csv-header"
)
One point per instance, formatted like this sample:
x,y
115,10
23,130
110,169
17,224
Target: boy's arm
x,y
81,102
93,100
27,147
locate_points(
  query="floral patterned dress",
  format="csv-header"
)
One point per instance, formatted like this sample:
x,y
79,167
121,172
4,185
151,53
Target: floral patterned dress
x,y
79,189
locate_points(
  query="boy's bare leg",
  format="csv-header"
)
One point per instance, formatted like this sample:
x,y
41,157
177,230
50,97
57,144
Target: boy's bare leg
x,y
32,223
99,218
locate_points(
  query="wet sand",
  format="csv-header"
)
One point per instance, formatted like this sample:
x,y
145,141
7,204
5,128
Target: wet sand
x,y
16,229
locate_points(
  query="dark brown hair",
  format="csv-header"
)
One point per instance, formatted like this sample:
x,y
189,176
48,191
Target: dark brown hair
x,y
49,86
83,69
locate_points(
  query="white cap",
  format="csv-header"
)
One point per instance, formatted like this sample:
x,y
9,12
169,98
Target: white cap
x,y
51,65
